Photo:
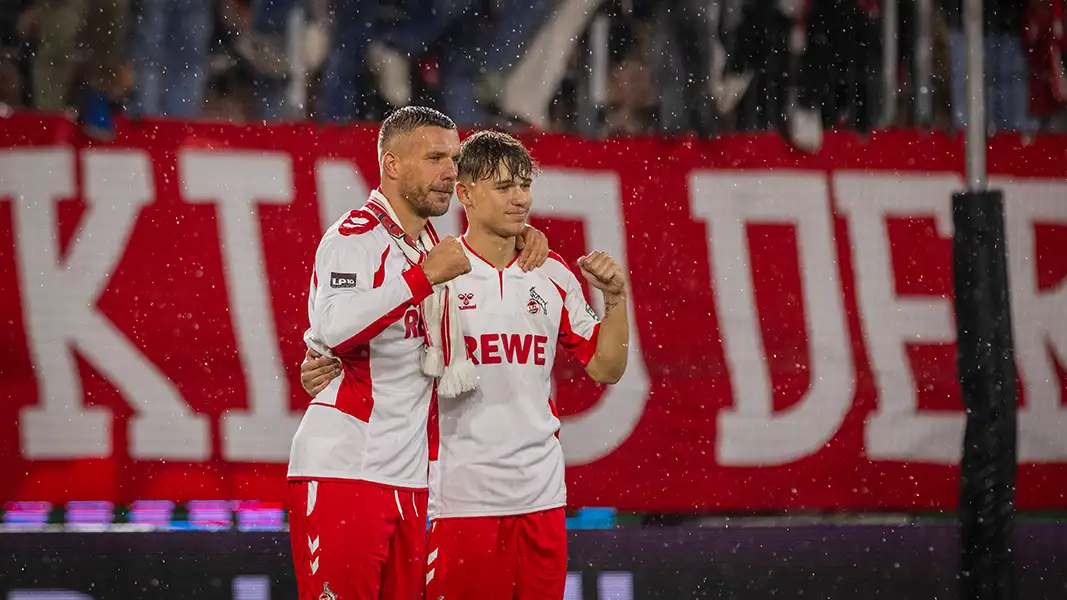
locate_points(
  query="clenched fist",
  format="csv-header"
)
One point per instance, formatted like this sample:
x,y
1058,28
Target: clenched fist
x,y
603,273
446,261
317,372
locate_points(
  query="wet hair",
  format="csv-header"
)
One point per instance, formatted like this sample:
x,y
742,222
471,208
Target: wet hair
x,y
492,154
407,119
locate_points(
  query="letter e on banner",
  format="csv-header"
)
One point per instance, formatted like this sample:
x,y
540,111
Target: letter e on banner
x,y
898,430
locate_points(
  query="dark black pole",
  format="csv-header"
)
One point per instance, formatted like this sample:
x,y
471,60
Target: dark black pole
x,y
985,355
987,380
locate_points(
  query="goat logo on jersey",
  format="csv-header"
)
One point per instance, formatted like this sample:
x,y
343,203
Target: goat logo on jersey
x,y
467,298
326,593
537,304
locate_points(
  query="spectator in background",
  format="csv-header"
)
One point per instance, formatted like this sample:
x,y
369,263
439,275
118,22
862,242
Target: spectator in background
x,y
539,80
632,101
16,25
228,94
10,83
475,71
170,42
266,46
102,28
942,73
1045,38
832,82
684,36
758,64
474,63
1005,65
343,95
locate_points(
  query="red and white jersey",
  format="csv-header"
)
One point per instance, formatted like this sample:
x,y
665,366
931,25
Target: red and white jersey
x,y
370,424
499,453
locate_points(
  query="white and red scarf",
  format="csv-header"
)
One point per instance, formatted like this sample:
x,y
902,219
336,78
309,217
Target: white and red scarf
x,y
444,356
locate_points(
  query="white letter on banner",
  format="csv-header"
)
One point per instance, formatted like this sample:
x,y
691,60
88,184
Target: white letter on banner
x,y
340,188
600,430
59,300
237,182
898,430
1039,317
751,433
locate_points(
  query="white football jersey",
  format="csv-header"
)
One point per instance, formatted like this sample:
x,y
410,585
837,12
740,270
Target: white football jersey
x,y
370,424
499,453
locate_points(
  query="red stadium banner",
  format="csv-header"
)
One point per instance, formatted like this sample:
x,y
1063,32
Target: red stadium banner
x,y
793,330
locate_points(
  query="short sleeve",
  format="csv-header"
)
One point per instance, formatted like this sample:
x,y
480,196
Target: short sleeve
x,y
578,323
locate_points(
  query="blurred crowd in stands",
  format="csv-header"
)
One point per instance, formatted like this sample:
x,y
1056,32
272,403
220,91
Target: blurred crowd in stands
x,y
597,67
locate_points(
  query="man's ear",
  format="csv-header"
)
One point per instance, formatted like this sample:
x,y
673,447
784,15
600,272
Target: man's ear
x,y
463,192
390,165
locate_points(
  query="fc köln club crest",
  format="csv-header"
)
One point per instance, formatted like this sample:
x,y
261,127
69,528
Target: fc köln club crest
x,y
326,593
536,304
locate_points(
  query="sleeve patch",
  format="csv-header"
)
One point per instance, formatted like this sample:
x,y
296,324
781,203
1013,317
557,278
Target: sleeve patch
x,y
342,280
592,313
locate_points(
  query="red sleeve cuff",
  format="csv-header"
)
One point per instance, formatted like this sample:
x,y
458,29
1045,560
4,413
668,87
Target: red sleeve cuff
x,y
418,283
585,351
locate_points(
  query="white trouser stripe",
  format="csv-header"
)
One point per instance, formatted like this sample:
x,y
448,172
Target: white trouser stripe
x,y
429,576
313,494
432,557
